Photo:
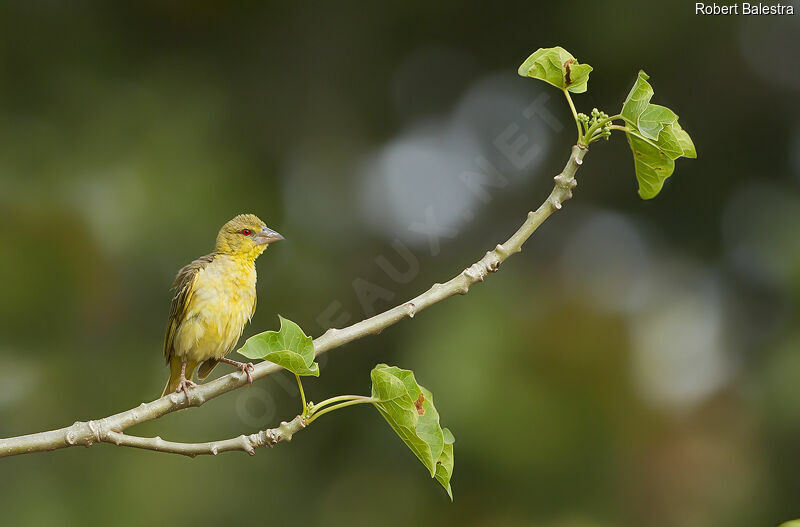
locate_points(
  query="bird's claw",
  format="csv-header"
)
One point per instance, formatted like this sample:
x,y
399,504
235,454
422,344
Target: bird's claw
x,y
247,368
244,367
183,386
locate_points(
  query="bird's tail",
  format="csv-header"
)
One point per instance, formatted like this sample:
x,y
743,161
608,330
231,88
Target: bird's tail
x,y
175,374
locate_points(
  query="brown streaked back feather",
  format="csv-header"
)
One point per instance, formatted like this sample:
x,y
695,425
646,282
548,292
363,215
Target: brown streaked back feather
x,y
184,289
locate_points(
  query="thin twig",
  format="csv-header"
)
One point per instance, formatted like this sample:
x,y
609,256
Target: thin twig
x,y
243,443
88,432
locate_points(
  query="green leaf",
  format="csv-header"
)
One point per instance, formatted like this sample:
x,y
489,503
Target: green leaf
x,y
293,362
444,466
397,405
792,523
428,427
409,410
652,166
685,141
558,67
653,119
638,99
655,137
668,142
289,348
449,438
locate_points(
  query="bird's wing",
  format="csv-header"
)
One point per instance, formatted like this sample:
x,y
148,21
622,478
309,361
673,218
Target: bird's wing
x,y
184,289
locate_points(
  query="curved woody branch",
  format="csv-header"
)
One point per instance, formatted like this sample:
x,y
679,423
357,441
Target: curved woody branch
x,y
111,429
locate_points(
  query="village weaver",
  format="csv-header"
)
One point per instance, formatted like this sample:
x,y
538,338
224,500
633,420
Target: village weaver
x,y
215,296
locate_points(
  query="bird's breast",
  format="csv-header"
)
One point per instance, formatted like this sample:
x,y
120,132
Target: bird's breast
x,y
222,303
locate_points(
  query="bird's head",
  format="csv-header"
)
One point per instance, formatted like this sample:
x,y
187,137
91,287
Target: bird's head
x,y
245,236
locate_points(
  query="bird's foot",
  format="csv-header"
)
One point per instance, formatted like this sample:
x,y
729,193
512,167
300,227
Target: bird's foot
x,y
244,367
183,386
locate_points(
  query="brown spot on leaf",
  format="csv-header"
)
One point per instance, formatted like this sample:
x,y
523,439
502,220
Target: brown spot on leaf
x,y
567,78
418,404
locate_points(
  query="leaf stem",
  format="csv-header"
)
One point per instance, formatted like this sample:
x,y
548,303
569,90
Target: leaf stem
x,y
360,400
574,114
338,398
302,394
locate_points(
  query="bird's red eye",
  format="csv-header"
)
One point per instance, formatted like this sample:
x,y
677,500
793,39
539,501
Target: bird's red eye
x,y
246,232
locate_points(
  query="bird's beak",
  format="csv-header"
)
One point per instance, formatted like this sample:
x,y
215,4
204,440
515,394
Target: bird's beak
x,y
267,235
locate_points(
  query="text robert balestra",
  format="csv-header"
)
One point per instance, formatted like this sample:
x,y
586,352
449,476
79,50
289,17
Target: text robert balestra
x,y
744,8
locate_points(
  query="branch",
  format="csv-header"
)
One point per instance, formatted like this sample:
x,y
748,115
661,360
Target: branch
x,y
245,443
110,429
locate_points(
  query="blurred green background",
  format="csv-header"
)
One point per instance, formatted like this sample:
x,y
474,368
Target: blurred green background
x,y
637,364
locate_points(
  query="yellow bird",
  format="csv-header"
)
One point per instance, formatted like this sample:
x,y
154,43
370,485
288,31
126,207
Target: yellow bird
x,y
215,296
